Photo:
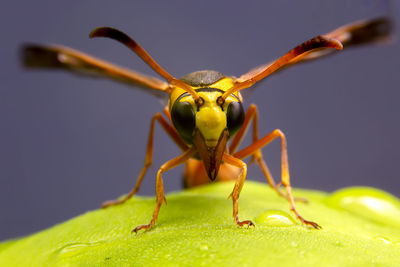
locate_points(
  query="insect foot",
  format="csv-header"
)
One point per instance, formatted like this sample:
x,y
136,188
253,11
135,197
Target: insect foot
x,y
310,223
142,227
243,223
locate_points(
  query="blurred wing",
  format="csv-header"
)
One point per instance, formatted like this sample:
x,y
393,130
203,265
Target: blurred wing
x,y
64,58
353,34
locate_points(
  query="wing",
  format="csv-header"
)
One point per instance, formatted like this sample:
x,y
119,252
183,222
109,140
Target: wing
x,y
64,58
59,57
353,34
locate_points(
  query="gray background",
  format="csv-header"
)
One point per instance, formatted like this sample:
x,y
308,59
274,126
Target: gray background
x,y
68,143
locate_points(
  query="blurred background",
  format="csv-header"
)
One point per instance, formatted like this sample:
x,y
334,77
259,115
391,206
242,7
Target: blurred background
x,y
68,143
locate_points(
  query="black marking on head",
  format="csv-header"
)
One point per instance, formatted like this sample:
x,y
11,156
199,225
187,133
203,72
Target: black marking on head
x,y
209,89
202,78
182,96
206,89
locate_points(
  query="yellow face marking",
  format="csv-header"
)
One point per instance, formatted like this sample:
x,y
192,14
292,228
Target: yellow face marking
x,y
211,119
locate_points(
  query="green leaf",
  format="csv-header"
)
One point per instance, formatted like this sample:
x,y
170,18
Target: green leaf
x,y
361,227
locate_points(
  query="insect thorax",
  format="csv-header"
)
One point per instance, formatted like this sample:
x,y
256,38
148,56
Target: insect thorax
x,y
202,78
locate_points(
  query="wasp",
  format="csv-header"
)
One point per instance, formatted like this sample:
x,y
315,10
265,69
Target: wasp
x,y
205,116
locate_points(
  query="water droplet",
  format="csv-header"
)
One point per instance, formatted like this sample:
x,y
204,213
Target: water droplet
x,y
370,203
75,249
275,218
71,250
338,243
203,247
384,240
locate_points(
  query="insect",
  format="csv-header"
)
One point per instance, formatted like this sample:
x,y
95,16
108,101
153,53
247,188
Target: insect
x,y
205,116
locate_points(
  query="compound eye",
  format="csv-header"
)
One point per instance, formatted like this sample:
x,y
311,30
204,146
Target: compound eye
x,y
235,117
184,120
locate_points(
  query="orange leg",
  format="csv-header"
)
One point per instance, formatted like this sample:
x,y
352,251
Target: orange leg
x,y
149,155
160,198
252,114
238,187
285,178
167,113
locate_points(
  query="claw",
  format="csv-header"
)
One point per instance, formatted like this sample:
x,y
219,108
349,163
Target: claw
x,y
309,223
140,227
312,224
243,223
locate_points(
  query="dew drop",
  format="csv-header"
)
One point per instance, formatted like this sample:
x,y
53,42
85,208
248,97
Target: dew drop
x,y
338,243
203,247
370,203
384,240
275,218
74,249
